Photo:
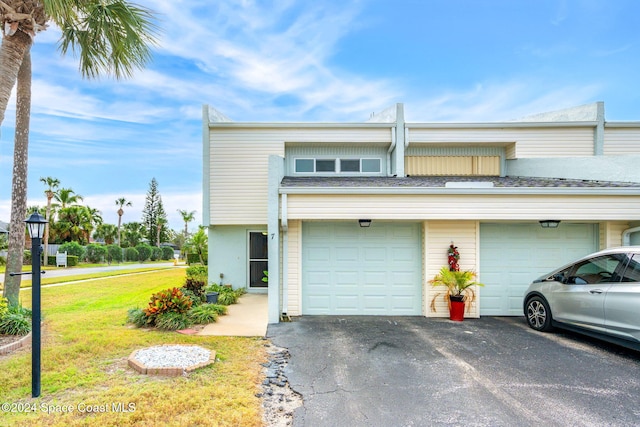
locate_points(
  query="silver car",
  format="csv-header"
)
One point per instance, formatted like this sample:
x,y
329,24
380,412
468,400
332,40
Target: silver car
x,y
598,295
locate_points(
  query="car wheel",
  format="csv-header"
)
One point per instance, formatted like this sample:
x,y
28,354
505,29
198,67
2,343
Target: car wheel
x,y
538,314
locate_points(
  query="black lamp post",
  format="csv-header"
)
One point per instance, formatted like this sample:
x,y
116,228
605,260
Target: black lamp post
x,y
36,224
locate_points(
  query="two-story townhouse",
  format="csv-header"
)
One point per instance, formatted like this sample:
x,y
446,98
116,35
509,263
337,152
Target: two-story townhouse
x,y
355,218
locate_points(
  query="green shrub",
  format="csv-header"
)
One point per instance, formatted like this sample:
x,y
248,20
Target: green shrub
x,y
3,260
131,254
72,248
173,321
198,271
205,313
196,300
227,298
95,253
16,321
114,253
196,286
156,253
144,252
171,299
219,309
167,253
138,317
4,306
195,259
226,294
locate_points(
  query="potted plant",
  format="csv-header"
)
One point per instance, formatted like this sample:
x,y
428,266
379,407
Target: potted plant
x,y
459,290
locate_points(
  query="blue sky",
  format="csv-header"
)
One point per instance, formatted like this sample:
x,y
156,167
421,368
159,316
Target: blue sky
x,y
337,61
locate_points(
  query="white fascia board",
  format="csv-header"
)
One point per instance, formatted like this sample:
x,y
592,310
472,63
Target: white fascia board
x,y
498,125
569,191
276,125
622,125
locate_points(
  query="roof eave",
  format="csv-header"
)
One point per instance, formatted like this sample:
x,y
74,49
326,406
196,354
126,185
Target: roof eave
x,y
553,191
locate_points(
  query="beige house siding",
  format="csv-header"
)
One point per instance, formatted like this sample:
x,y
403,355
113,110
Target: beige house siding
x,y
529,142
463,207
238,179
438,236
611,233
239,161
452,165
621,141
294,269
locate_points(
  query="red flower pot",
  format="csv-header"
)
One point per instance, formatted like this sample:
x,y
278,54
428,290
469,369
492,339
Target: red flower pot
x,y
456,311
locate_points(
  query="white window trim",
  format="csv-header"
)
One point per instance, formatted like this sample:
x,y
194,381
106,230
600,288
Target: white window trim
x,y
337,171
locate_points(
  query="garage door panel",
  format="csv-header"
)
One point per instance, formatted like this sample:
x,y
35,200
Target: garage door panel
x,y
346,278
377,303
374,254
316,303
401,303
513,255
319,254
377,272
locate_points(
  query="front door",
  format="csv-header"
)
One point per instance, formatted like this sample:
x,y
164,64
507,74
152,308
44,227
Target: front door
x,y
258,259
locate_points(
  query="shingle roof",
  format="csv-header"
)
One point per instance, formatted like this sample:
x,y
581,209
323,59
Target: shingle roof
x,y
440,182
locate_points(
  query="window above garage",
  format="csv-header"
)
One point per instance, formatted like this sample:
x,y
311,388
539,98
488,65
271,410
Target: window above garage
x,y
347,165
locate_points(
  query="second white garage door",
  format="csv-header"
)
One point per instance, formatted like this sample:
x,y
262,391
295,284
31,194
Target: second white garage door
x,y
350,270
513,255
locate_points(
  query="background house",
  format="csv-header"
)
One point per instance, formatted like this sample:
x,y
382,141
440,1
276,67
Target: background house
x,y
289,198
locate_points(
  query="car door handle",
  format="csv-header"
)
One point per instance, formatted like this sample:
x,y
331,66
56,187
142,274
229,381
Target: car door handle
x,y
596,291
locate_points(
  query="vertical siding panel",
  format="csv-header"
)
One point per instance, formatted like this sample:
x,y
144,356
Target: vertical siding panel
x,y
294,269
611,233
438,237
452,165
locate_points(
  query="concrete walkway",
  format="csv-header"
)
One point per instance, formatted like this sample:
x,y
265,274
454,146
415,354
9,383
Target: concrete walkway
x,y
247,318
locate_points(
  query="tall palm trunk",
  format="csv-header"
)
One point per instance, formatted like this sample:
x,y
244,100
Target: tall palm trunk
x,y
19,183
46,230
12,51
120,213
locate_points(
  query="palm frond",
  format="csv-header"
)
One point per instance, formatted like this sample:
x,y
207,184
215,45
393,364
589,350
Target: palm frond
x,y
111,37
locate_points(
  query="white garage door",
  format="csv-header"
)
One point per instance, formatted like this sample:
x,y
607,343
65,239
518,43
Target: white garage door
x,y
350,270
513,255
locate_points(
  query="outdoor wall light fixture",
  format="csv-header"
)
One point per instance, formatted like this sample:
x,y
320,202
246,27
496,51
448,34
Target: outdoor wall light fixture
x,y
549,223
364,223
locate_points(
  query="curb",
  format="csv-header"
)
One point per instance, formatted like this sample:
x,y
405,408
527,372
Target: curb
x,y
6,349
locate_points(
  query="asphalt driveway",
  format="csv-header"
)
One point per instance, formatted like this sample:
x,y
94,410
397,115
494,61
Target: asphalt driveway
x,y
414,371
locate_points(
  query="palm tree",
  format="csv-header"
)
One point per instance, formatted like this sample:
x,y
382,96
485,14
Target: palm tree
x,y
187,217
133,233
95,220
52,184
121,203
198,244
106,232
161,223
111,37
66,197
19,181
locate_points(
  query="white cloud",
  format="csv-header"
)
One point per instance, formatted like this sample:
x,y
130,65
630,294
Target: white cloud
x,y
498,101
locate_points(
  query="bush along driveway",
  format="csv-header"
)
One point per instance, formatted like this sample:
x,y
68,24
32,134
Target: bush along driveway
x,y
379,371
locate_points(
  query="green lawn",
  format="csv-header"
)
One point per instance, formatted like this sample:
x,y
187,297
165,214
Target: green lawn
x,y
84,349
